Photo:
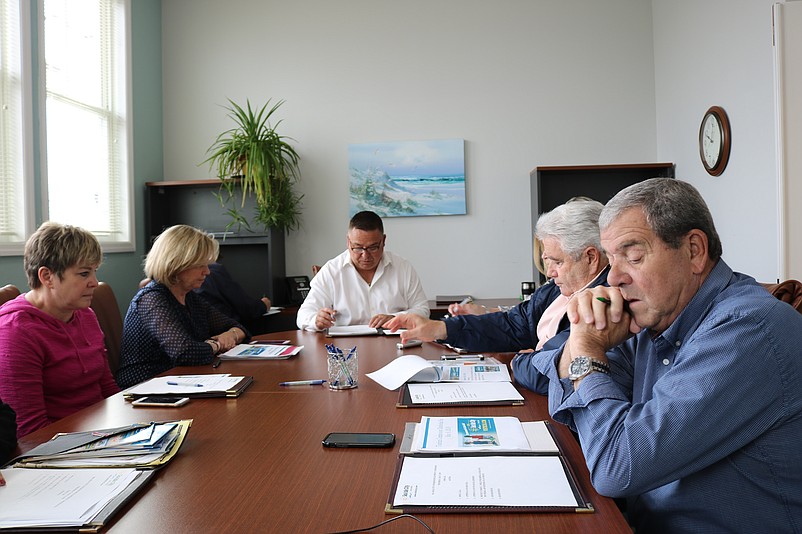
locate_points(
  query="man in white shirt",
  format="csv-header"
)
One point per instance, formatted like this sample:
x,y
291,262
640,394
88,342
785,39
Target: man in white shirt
x,y
365,284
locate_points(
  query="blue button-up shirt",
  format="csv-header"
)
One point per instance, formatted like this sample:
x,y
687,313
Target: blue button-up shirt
x,y
699,427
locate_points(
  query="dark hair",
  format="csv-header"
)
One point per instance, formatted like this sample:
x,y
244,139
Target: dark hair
x,y
367,221
59,247
672,208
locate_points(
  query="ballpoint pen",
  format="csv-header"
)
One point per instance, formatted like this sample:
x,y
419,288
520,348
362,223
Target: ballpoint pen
x,y
302,383
217,362
188,384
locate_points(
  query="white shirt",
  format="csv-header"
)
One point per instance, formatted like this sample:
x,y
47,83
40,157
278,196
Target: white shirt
x,y
395,289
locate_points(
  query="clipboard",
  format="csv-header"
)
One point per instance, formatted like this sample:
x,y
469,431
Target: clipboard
x,y
405,401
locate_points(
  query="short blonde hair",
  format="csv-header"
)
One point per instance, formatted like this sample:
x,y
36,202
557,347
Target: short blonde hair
x,y
59,247
177,249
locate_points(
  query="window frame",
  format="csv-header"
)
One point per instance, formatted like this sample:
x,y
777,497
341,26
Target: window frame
x,y
28,208
127,244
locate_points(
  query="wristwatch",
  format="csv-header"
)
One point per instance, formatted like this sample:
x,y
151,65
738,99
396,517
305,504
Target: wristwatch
x,y
584,365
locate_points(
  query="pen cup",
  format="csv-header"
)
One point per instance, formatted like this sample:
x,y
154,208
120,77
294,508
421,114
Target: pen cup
x,y
343,368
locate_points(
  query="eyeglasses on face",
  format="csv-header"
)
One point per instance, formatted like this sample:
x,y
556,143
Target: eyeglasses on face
x,y
366,250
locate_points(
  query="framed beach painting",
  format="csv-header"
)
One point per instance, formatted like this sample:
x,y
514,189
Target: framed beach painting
x,y
408,178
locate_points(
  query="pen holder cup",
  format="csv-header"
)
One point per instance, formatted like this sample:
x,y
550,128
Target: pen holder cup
x,y
343,369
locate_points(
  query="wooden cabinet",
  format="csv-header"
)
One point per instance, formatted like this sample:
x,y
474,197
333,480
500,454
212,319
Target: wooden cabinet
x,y
255,257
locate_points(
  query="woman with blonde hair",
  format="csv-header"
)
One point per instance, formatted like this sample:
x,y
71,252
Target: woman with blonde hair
x,y
52,356
167,323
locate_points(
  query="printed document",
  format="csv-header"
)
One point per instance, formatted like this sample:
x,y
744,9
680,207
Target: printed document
x,y
58,497
456,392
484,481
470,434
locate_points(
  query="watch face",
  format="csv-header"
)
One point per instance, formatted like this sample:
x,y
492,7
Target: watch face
x,y
580,366
711,141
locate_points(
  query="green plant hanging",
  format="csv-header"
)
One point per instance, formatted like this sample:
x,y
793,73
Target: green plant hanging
x,y
254,159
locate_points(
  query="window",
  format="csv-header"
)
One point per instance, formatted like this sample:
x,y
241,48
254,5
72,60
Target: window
x,y
16,213
87,133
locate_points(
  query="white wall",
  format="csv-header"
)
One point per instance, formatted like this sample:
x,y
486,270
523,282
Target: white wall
x,y
719,52
524,82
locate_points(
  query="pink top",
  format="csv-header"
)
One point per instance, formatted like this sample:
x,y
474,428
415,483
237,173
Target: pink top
x,y
48,368
550,320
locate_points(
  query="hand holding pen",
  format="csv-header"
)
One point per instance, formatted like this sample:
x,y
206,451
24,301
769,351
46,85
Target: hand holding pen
x,y
325,318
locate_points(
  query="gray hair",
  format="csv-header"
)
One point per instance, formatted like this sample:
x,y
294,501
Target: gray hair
x,y
575,225
672,208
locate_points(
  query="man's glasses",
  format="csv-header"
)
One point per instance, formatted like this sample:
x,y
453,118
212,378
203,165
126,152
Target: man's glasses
x,y
366,250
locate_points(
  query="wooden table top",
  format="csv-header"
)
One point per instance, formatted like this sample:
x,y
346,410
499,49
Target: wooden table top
x,y
256,463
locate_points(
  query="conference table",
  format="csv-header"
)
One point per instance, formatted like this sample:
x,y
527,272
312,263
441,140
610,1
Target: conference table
x,y
256,463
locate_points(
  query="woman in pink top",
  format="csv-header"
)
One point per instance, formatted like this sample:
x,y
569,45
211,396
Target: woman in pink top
x,y
52,357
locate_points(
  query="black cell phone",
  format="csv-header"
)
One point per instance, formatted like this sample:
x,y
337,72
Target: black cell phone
x,y
168,402
359,439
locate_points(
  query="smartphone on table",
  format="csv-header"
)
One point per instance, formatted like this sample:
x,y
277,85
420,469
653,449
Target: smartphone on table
x,y
167,402
359,439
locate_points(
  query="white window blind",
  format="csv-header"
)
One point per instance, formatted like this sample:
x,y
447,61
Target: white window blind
x,y
13,212
88,174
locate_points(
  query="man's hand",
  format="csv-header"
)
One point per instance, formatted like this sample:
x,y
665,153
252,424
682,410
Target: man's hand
x,y
466,309
325,318
417,327
599,321
379,319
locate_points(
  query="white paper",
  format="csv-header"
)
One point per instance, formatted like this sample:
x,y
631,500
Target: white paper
x,y
398,371
50,497
272,310
456,392
470,434
484,481
353,330
186,384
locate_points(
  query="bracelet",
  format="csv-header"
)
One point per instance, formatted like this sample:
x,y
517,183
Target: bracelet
x,y
216,347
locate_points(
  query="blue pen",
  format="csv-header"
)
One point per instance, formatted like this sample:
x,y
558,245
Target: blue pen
x,y
188,384
302,383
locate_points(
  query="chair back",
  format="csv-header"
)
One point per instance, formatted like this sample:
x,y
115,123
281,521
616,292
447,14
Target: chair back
x,y
111,322
8,292
789,291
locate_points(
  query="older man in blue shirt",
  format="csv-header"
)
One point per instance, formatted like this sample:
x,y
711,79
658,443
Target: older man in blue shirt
x,y
683,379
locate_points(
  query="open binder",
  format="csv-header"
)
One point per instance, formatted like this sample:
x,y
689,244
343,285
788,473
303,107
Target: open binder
x,y
539,480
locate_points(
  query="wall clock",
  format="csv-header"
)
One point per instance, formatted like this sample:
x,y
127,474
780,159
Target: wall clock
x,y
715,140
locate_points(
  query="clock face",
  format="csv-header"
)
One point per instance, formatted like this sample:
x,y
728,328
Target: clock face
x,y
711,141
714,141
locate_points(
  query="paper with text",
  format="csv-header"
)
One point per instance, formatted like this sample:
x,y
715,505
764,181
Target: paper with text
x,y
484,481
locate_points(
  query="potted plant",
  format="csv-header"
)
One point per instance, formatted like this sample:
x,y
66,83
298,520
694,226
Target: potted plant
x,y
253,157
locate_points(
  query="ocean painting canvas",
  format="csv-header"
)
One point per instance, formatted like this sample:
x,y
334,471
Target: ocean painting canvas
x,y
408,178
